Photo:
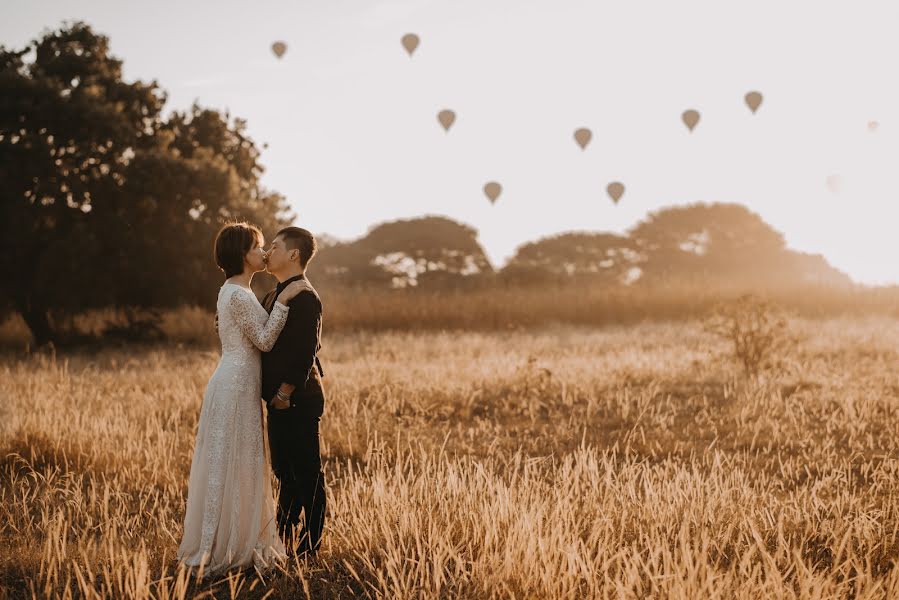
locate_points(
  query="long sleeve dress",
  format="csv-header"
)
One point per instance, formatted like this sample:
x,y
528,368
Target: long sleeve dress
x,y
229,520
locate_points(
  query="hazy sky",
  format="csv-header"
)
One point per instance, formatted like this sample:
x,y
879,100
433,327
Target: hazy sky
x,y
351,120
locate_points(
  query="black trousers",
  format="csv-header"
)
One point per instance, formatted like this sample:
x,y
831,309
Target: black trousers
x,y
296,460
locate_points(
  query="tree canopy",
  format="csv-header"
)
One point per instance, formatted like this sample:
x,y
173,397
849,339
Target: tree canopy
x,y
407,253
721,243
602,257
104,201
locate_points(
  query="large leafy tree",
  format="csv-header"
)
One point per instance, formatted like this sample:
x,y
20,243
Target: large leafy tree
x,y
103,200
723,243
707,241
573,257
428,251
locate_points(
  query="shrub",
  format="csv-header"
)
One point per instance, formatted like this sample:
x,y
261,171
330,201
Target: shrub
x,y
756,328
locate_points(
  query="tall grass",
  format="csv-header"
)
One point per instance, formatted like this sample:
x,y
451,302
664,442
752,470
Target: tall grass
x,y
499,308
627,462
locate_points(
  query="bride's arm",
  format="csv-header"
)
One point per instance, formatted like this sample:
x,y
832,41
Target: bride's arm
x,y
263,335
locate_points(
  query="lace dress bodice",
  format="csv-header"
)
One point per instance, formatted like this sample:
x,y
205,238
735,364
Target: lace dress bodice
x,y
244,326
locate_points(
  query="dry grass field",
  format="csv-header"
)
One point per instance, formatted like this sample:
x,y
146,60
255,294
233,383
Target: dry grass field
x,y
565,462
492,308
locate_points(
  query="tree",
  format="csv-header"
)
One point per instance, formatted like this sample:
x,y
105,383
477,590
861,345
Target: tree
x,y
707,241
428,251
204,172
574,257
102,201
800,267
722,243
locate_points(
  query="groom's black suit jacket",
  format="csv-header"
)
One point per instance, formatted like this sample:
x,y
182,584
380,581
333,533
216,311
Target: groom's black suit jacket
x,y
293,359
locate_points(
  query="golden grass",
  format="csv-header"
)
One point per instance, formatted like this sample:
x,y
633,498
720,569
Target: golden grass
x,y
501,308
626,462
509,307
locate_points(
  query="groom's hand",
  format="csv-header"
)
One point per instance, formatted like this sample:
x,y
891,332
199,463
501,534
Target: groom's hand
x,y
278,403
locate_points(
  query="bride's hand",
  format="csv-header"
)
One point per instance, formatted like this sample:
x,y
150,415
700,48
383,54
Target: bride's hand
x,y
293,289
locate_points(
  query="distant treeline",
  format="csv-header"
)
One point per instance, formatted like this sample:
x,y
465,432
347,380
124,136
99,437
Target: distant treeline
x,y
711,244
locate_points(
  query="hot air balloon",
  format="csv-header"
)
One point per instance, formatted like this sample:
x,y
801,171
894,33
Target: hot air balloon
x,y
493,190
446,118
690,118
753,101
279,48
410,42
615,190
872,126
583,136
834,183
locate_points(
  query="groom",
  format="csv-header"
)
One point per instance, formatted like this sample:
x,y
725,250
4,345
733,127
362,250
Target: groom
x,y
292,387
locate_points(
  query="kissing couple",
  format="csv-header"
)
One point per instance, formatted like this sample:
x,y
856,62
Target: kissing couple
x,y
269,352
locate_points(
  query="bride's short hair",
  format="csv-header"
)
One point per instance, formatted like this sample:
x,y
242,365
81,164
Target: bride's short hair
x,y
232,243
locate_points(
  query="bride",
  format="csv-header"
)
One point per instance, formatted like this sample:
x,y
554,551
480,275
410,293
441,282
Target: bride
x,y
229,521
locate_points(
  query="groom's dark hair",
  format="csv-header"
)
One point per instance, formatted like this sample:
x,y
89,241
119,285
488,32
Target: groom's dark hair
x,y
297,238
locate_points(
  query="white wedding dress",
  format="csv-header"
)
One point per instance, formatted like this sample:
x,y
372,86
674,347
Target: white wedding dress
x,y
229,521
